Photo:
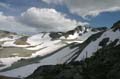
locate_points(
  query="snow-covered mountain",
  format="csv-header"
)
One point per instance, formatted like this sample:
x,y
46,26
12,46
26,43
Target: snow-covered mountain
x,y
20,52
108,37
96,58
24,54
98,41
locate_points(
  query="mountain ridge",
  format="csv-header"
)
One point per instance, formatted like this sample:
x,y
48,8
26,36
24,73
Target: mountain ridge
x,y
102,64
80,45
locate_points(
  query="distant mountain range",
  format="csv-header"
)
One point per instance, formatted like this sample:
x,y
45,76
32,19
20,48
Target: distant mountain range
x,y
81,53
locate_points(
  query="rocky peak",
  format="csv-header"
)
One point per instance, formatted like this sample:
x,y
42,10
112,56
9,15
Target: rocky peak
x,y
116,26
55,35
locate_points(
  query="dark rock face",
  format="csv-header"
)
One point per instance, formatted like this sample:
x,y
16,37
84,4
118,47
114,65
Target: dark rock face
x,y
55,35
116,26
22,41
81,28
104,42
71,32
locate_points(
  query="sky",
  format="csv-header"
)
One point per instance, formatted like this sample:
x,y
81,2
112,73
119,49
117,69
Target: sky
x,y
33,16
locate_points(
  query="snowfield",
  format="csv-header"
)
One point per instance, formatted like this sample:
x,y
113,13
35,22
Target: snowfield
x,y
47,47
43,45
57,58
94,46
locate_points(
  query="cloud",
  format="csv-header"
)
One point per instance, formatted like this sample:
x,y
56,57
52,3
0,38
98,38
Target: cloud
x,y
4,5
46,19
9,23
90,7
36,20
93,7
53,1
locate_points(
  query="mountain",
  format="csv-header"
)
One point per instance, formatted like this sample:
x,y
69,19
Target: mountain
x,y
21,52
104,64
24,54
98,60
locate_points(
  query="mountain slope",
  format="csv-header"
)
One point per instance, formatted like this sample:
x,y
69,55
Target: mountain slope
x,y
105,39
98,60
46,49
95,45
104,64
30,52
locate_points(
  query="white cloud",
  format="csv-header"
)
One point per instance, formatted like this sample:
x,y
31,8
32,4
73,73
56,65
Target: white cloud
x,y
9,23
36,20
97,12
90,7
46,19
53,1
